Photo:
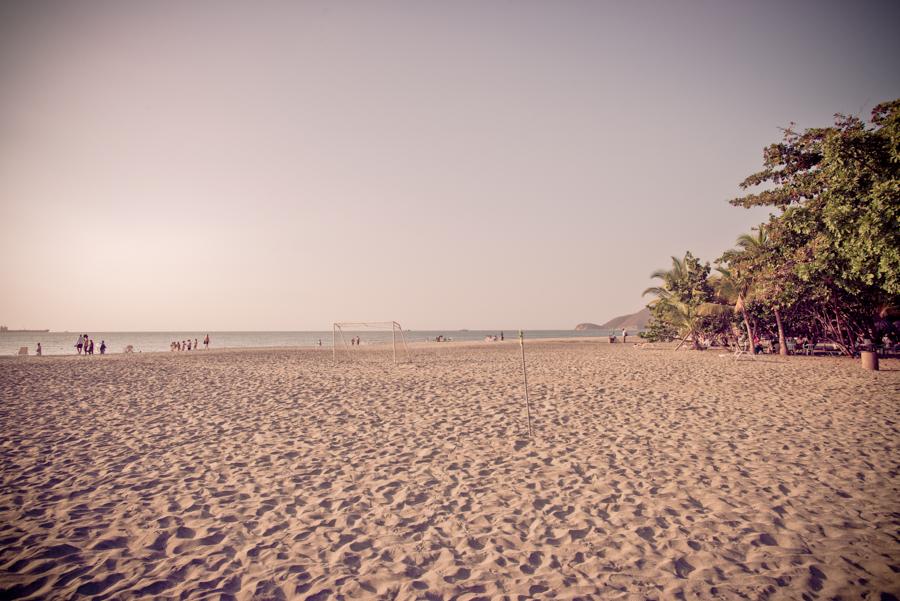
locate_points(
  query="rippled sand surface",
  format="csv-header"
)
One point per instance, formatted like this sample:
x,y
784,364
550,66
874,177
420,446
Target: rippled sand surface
x,y
274,474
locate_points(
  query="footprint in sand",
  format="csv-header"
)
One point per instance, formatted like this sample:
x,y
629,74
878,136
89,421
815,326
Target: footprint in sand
x,y
767,539
816,578
461,574
185,532
683,568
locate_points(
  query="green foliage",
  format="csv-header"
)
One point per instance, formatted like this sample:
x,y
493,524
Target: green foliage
x,y
839,191
686,282
683,305
826,265
658,328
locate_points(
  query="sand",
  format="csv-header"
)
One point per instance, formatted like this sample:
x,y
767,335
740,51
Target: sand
x,y
272,474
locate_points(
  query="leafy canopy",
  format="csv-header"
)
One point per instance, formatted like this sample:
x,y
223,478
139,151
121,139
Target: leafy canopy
x,y
839,192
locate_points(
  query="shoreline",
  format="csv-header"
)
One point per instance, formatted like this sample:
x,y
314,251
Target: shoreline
x,y
427,345
367,346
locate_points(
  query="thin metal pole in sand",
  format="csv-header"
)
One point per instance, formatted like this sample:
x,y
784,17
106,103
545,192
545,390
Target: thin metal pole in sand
x,y
525,381
333,343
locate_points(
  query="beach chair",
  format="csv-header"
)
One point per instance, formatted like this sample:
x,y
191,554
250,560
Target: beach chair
x,y
129,349
827,349
740,351
23,350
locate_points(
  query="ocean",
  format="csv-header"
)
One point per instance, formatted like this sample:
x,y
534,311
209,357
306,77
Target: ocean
x,y
63,343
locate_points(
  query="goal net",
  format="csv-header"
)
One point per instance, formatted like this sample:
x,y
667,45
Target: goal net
x,y
350,338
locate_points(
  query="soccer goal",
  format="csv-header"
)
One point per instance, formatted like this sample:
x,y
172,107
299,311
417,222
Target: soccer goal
x,y
349,336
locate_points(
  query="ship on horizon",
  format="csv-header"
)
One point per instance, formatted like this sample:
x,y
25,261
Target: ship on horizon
x,y
5,330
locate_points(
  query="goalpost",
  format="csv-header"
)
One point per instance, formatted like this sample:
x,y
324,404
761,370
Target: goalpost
x,y
376,331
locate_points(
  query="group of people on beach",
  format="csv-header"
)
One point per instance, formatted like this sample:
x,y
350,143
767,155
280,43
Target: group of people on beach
x,y
612,335
187,345
84,343
353,341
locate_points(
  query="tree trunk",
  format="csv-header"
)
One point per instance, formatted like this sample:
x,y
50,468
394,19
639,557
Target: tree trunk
x,y
752,349
782,347
850,346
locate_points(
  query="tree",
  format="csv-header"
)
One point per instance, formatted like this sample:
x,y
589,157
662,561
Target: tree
x,y
659,328
733,289
683,301
837,238
770,272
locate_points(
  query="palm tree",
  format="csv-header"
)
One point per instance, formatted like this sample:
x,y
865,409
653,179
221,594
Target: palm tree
x,y
757,246
735,291
684,275
686,317
669,277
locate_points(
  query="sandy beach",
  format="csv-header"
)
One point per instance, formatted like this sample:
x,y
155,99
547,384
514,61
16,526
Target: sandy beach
x,y
274,474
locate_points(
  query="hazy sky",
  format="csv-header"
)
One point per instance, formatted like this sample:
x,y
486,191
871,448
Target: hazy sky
x,y
282,165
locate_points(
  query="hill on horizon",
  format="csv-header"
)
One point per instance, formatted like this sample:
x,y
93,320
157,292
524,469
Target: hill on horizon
x,y
636,321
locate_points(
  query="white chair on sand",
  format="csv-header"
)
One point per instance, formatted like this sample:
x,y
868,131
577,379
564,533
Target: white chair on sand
x,y
23,350
739,352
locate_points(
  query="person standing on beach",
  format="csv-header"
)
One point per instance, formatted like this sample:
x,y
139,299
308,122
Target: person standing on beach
x,y
624,335
39,351
102,347
196,345
206,342
79,343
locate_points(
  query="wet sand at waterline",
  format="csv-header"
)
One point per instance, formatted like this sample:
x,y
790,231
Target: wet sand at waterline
x,y
274,474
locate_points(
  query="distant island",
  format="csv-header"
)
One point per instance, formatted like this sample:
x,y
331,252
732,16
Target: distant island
x,y
5,330
632,321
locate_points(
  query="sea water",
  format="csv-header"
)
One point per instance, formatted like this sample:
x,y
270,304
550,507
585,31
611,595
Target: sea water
x,y
63,343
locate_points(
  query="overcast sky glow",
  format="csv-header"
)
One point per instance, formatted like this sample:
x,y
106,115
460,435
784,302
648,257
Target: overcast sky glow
x,y
282,165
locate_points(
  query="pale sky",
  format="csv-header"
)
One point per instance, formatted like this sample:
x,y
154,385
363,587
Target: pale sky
x,y
283,165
